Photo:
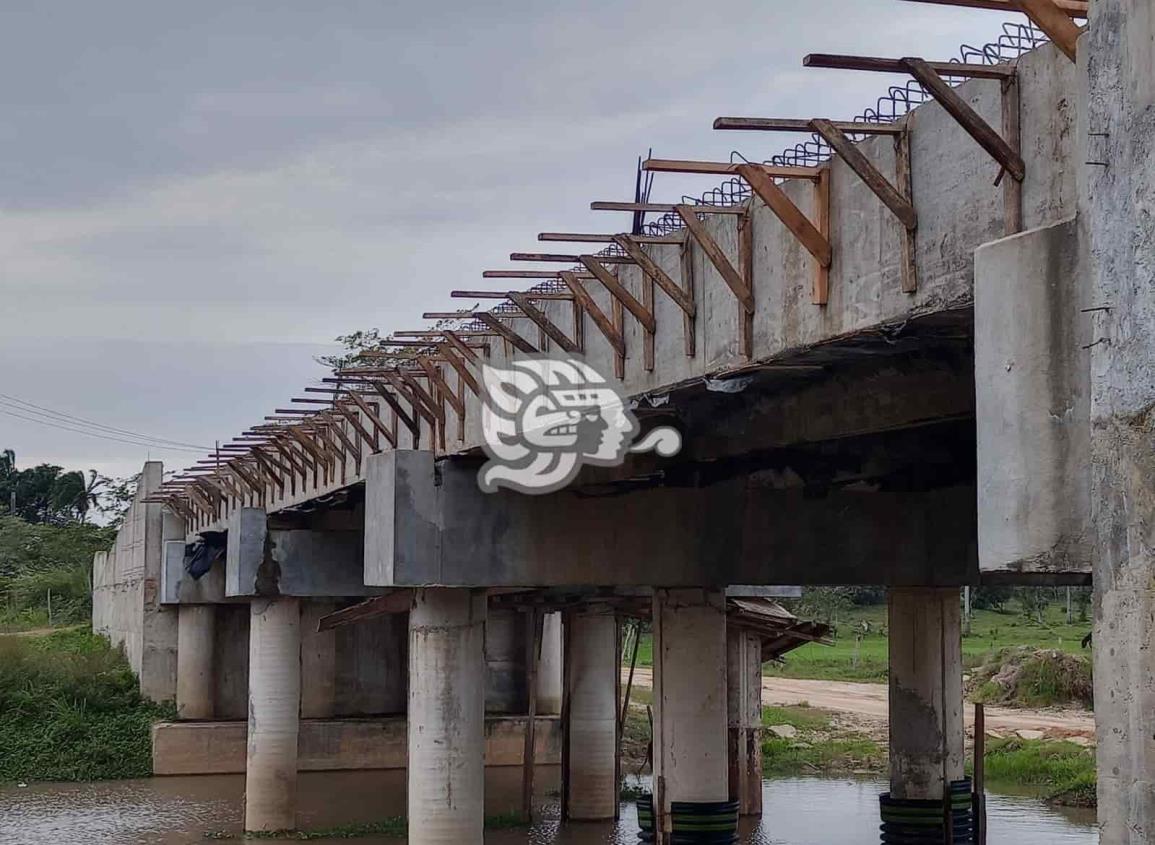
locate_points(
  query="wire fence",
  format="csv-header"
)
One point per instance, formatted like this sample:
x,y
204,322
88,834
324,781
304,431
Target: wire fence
x,y
1015,40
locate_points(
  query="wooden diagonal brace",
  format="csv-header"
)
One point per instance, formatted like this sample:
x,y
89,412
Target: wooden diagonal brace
x,y
1055,21
438,380
462,347
650,267
409,421
968,118
291,457
789,213
270,470
424,397
269,460
891,197
603,322
543,322
249,481
730,274
198,498
349,443
449,353
174,503
516,341
375,421
644,315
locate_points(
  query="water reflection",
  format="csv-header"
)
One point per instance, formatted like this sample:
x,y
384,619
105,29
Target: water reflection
x,y
167,811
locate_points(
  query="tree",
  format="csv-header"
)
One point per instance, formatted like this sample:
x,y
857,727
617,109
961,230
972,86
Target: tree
x,y
46,493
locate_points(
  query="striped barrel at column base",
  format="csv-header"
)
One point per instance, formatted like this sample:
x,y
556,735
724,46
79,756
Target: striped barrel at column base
x,y
915,822
706,822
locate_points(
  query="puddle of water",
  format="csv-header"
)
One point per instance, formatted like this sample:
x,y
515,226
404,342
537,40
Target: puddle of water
x,y
172,810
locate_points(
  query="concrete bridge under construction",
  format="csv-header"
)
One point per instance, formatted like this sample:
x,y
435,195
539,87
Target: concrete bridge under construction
x,y
914,351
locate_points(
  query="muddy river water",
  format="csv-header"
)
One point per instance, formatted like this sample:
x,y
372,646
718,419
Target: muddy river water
x,y
800,811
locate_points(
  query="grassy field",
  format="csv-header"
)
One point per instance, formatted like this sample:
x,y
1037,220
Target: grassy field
x,y
70,710
859,652
860,648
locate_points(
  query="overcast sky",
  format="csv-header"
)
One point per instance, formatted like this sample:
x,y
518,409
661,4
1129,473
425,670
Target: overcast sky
x,y
196,198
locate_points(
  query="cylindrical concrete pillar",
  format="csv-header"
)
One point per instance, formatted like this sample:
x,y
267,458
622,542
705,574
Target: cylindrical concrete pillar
x,y
690,703
195,634
318,662
274,714
926,691
549,667
447,717
744,707
593,725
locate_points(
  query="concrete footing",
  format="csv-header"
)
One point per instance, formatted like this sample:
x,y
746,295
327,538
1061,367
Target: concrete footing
x,y
274,714
926,698
446,778
196,629
744,706
591,779
690,703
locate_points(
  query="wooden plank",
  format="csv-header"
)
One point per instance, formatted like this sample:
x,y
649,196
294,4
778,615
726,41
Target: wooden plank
x,y
1048,17
746,274
718,258
463,348
721,168
375,421
619,319
1013,135
350,444
425,398
789,213
1072,8
504,294
613,284
820,289
648,337
543,322
968,118
604,324
410,422
871,63
891,197
902,168
689,328
519,274
398,601
651,269
785,124
664,207
447,393
513,338
460,367
560,258
674,238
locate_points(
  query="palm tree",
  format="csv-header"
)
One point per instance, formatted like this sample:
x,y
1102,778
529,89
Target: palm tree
x,y
89,497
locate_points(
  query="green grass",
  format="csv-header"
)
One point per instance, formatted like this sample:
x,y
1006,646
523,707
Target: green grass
x,y
71,710
859,656
820,746
1062,771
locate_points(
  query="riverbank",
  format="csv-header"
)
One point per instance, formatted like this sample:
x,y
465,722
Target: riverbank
x,y
70,710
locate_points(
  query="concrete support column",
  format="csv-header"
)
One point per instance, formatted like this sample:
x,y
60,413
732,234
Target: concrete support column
x,y
318,662
926,698
196,629
1117,193
549,667
274,714
690,703
592,779
446,773
744,705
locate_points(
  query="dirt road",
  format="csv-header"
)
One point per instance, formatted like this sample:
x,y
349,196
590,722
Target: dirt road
x,y
868,703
